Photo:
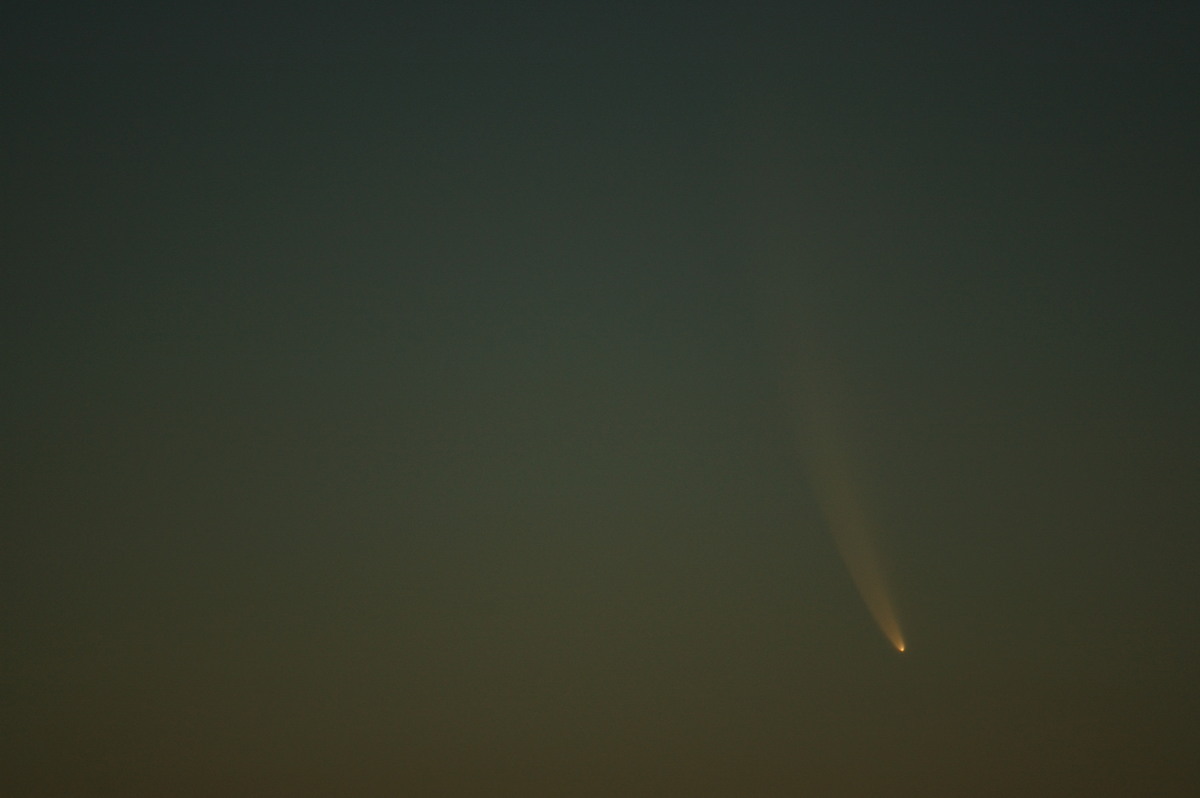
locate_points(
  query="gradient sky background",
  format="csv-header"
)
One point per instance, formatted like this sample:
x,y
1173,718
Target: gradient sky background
x,y
406,403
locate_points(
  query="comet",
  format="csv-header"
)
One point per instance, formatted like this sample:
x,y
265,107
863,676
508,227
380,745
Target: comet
x,y
836,490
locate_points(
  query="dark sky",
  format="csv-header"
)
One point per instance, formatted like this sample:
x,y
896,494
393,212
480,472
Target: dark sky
x,y
408,403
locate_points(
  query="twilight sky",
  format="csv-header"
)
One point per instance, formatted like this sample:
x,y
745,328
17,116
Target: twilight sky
x,y
406,403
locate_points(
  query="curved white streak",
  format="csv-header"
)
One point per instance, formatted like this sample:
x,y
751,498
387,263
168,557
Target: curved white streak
x,y
848,523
